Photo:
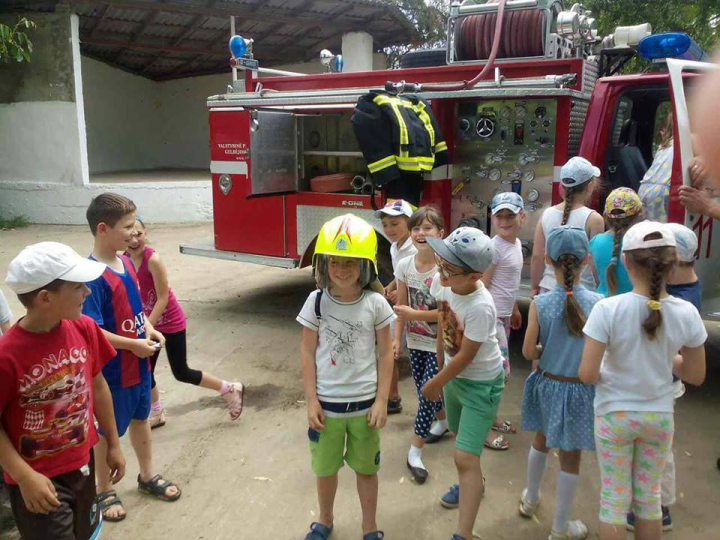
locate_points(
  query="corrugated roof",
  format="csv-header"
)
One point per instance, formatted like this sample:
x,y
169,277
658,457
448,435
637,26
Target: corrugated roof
x,y
182,38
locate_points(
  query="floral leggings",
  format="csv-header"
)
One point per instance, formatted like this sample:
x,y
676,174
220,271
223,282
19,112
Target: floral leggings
x,y
502,328
632,448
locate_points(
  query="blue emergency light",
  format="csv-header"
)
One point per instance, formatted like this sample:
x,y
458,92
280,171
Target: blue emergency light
x,y
238,46
670,45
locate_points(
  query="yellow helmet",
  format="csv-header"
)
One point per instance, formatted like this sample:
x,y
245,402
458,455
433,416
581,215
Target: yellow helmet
x,y
347,236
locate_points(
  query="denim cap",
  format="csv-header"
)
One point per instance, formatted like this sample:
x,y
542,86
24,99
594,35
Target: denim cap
x,y
567,240
577,171
508,200
466,247
686,240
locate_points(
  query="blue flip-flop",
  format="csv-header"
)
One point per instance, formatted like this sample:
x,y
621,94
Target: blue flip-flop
x,y
318,531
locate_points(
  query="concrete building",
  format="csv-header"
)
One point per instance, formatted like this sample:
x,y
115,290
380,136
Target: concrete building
x,y
114,98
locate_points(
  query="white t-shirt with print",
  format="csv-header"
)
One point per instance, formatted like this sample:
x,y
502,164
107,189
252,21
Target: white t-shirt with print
x,y
421,335
636,372
476,312
5,313
505,281
345,360
397,254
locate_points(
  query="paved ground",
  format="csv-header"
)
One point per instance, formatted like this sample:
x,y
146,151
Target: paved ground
x,y
251,478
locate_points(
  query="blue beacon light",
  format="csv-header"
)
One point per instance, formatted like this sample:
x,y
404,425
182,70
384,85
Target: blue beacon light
x,y
238,47
670,45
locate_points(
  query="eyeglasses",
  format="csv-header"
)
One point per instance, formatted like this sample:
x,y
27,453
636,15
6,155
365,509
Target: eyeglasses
x,y
443,269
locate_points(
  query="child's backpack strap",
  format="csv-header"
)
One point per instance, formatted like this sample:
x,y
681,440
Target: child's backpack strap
x,y
317,304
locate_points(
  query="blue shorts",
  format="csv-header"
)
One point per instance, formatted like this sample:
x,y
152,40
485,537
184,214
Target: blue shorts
x,y
131,403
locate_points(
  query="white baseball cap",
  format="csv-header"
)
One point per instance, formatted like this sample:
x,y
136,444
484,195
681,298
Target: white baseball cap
x,y
40,264
397,207
577,171
636,236
686,241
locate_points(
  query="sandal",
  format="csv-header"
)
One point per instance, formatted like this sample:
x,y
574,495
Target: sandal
x,y
105,500
157,419
505,427
498,443
234,399
157,486
318,531
375,535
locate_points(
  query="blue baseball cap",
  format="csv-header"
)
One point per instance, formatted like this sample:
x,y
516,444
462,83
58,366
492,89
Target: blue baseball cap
x,y
508,200
567,240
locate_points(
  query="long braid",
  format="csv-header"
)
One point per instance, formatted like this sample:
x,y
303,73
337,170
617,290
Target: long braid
x,y
658,263
619,230
654,320
574,316
569,196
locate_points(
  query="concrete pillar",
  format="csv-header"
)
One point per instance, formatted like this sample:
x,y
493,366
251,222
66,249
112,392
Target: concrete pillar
x,y
79,98
357,51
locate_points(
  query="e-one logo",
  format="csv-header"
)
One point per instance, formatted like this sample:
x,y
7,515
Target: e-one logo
x,y
353,203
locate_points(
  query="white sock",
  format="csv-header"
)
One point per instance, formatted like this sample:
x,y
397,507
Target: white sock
x,y
535,470
415,457
564,495
439,427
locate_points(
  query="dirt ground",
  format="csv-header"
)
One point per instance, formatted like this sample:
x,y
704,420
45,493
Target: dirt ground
x,y
252,479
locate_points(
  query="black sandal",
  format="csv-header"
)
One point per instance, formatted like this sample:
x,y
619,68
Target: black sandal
x,y
105,500
157,486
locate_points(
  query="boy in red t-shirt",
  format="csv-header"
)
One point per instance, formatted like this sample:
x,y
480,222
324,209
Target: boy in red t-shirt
x,y
51,386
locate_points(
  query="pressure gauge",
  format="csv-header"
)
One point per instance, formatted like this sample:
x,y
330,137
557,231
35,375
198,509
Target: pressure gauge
x,y
464,124
540,112
489,159
528,176
495,175
533,195
505,112
520,112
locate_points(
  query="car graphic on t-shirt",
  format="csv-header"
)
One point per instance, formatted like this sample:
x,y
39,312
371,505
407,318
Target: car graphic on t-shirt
x,y
56,416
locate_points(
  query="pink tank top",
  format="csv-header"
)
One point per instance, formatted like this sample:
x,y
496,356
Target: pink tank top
x,y
173,318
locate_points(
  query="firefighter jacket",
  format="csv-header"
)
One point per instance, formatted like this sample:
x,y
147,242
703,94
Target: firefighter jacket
x,y
397,133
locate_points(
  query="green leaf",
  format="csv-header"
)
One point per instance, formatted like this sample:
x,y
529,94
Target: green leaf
x,y
19,54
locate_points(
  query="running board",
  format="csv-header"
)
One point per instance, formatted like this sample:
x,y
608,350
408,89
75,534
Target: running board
x,y
206,248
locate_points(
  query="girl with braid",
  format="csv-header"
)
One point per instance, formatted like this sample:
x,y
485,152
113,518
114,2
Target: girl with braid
x,y
578,178
631,352
623,209
557,406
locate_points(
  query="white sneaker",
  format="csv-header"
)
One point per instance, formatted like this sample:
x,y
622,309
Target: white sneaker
x,y
527,509
576,531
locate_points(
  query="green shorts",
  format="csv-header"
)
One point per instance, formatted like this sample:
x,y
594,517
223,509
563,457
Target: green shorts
x,y
347,439
471,407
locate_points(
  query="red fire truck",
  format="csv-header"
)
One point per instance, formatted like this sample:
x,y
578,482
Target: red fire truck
x,y
550,91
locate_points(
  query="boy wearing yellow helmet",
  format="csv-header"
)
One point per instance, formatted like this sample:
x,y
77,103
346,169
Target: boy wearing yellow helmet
x,y
346,321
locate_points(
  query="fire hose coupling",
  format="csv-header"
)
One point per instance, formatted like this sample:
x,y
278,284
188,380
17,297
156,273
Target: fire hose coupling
x,y
361,185
402,87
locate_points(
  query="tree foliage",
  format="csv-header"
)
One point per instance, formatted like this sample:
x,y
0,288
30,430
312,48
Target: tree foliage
x,y
699,18
14,42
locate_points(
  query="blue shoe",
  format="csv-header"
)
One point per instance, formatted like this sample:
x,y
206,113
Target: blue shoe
x,y
457,537
452,498
318,531
375,535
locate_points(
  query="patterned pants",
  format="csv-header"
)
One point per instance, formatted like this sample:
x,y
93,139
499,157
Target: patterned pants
x,y
502,328
423,365
632,448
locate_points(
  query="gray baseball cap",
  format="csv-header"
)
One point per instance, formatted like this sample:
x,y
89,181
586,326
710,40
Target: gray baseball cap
x,y
507,200
567,240
466,247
